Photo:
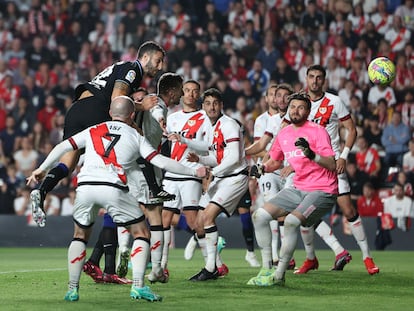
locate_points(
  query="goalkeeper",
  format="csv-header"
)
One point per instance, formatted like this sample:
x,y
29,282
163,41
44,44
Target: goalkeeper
x,y
307,148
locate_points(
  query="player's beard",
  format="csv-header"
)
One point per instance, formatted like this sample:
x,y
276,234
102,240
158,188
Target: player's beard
x,y
150,69
297,119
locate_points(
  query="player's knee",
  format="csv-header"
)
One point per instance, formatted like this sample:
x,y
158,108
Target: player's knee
x,y
261,217
292,221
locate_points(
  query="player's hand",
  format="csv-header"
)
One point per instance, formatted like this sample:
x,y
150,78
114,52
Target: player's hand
x,y
303,144
286,171
192,157
36,176
256,171
202,171
340,165
148,102
174,137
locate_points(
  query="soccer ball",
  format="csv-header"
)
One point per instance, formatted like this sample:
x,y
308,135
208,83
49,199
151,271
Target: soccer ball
x,y
381,70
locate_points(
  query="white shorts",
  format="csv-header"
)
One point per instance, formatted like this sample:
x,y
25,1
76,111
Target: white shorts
x,y
343,184
119,204
187,194
226,192
139,188
270,184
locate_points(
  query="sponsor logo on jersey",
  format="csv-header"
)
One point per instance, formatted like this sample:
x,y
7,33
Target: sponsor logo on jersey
x,y
130,76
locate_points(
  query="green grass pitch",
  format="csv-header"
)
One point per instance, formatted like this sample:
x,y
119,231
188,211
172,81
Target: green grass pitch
x,y
36,279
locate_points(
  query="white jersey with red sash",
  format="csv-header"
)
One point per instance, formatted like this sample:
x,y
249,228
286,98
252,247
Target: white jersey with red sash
x,y
188,125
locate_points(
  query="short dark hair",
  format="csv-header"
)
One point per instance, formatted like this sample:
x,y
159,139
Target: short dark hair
x,y
169,81
194,82
286,87
303,96
150,47
213,92
318,68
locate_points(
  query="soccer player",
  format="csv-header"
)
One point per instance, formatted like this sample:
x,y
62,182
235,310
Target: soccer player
x,y
153,125
91,106
307,148
330,112
227,181
109,170
186,123
266,127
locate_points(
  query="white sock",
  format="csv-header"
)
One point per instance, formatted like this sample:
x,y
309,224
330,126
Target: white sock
x,y
357,229
139,255
261,219
166,248
124,238
203,247
211,247
275,239
289,244
157,244
76,259
325,232
308,234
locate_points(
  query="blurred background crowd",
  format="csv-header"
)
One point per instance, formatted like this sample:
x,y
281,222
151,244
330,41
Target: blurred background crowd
x,y
240,47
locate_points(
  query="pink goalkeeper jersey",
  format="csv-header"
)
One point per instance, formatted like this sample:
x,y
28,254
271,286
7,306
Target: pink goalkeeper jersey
x,y
309,176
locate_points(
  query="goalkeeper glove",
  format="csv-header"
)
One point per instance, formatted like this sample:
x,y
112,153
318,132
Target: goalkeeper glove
x,y
303,144
257,170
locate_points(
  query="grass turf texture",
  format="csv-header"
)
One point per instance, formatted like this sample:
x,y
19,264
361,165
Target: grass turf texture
x,y
36,279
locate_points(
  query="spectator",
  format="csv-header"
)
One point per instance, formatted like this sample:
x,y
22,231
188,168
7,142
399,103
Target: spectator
x,y
358,112
408,161
395,138
250,93
288,22
61,91
10,137
378,92
47,114
14,18
153,18
97,36
335,75
406,12
37,53
340,51
236,39
85,19
176,20
25,158
37,17
313,21
356,179
235,73
15,54
214,37
398,36
120,40
110,18
46,78
188,71
368,160
22,205
350,38
259,77
381,19
402,179
68,203
9,93
371,36
283,73
239,15
211,14
209,71
373,132
165,36
399,206
369,204
228,94
358,72
294,54
349,90
131,18
34,94
404,75
56,134
181,51
24,115
268,54
358,19
52,205
74,39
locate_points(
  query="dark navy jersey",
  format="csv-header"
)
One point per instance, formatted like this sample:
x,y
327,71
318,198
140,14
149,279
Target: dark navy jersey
x,y
102,84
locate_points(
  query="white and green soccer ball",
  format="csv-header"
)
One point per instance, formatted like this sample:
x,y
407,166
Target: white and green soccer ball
x,y
381,70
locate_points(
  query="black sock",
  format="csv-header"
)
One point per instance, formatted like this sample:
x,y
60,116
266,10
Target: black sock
x,y
52,178
248,235
149,174
97,251
110,243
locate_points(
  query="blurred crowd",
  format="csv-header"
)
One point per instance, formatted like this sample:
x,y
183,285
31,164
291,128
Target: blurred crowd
x,y
48,47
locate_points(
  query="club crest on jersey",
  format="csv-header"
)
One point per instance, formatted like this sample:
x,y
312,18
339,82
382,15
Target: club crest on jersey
x,y
130,76
322,110
191,122
216,133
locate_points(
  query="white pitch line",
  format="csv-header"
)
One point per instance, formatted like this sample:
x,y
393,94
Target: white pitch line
x,y
26,271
